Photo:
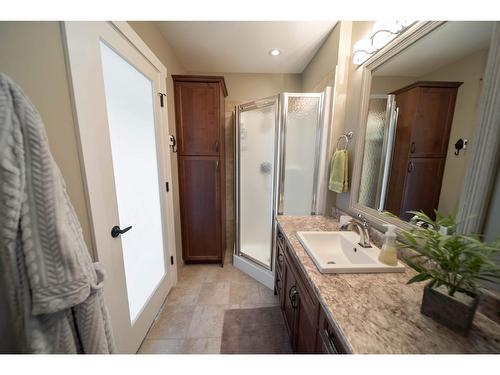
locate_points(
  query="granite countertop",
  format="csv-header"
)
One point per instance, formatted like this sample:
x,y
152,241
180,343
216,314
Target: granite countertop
x,y
379,313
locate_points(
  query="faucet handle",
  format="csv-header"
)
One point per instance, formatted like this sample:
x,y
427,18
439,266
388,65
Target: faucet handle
x,y
363,220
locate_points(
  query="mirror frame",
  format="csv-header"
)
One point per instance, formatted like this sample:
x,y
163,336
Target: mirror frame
x,y
484,152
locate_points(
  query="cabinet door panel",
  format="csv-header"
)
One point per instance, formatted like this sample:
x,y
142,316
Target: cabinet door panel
x,y
431,131
306,328
422,186
289,289
197,118
200,208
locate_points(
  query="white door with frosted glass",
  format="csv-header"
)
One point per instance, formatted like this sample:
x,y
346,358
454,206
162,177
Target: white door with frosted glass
x,y
116,83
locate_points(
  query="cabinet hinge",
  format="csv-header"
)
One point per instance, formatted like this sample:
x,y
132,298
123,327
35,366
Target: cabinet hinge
x,y
167,187
161,94
172,260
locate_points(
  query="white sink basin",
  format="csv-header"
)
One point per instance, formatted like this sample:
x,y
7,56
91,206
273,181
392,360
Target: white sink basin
x,y
339,252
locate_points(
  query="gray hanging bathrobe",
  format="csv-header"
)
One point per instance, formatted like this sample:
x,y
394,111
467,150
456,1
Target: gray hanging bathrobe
x,y
54,296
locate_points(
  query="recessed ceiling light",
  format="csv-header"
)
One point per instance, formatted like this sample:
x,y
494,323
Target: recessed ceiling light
x,y
274,52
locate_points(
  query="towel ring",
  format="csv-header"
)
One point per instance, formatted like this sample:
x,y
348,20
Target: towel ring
x,y
345,137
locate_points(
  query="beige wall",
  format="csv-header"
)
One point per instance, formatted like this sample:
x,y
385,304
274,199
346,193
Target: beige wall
x,y
468,70
245,87
388,84
351,117
320,72
32,54
151,35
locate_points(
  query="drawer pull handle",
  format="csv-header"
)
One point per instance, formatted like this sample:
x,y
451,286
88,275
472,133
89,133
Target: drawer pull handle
x,y
293,298
329,338
410,167
290,291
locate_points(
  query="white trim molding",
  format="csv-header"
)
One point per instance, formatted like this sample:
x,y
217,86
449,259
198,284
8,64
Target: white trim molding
x,y
485,152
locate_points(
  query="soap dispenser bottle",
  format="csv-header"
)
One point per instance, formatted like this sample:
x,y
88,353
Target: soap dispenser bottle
x,y
388,255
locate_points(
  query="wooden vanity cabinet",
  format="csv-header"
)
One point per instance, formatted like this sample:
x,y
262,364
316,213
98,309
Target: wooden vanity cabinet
x,y
300,306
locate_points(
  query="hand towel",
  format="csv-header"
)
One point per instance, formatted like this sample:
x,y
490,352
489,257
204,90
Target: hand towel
x,y
338,172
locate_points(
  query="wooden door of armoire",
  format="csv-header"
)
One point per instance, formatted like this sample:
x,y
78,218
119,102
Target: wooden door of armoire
x,y
199,112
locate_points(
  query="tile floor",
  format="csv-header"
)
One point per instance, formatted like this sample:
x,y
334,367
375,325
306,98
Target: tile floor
x,y
191,320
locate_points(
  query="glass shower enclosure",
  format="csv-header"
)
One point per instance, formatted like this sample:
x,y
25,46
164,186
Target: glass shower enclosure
x,y
379,142
280,148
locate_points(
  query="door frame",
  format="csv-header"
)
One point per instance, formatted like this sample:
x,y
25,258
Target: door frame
x,y
93,195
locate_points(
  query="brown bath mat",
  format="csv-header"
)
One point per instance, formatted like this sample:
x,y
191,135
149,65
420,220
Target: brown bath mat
x,y
254,331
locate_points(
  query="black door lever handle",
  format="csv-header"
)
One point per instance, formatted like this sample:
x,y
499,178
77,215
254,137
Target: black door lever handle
x,y
116,231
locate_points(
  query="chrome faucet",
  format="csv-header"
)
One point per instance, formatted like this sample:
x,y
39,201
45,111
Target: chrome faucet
x,y
363,229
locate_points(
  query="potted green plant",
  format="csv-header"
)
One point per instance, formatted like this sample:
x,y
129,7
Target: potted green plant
x,y
454,263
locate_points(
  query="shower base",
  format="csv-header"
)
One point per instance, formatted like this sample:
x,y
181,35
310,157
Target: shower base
x,y
259,252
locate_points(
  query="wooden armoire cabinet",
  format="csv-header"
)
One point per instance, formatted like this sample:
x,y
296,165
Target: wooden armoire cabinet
x,y
199,113
426,111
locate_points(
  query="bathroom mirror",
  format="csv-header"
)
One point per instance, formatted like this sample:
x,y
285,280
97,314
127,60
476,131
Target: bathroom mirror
x,y
419,118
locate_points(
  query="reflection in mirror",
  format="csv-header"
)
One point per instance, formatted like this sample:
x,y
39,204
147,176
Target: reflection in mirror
x,y
421,117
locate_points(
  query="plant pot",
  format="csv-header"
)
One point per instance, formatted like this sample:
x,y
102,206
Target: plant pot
x,y
455,312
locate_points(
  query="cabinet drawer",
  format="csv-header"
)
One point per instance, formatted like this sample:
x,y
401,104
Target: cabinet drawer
x,y
328,340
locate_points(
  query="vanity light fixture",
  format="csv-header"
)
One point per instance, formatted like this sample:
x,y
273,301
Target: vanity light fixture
x,y
383,32
274,52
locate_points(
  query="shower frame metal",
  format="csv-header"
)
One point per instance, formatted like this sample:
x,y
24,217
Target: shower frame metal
x,y
280,102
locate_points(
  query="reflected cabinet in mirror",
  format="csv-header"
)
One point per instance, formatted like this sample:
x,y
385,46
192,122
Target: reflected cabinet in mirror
x,y
421,116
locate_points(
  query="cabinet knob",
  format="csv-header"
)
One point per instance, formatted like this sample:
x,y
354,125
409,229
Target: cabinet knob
x,y
410,167
413,147
216,146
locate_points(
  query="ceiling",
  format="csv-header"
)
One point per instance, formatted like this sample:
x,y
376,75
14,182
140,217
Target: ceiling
x,y
243,47
450,42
